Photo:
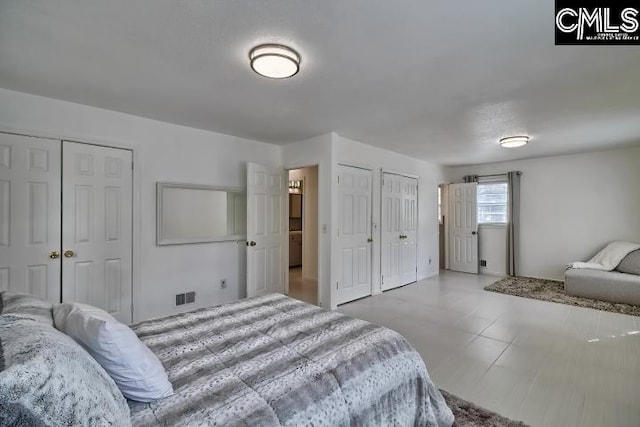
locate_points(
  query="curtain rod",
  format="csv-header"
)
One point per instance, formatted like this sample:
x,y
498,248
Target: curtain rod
x,y
495,174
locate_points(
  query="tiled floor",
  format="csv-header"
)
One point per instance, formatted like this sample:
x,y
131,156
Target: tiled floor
x,y
544,363
301,288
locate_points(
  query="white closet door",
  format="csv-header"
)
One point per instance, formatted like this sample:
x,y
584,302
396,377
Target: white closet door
x,y
30,215
266,233
391,231
463,227
354,233
409,230
97,227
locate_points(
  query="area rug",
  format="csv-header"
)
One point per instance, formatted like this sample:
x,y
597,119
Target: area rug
x,y
553,291
469,415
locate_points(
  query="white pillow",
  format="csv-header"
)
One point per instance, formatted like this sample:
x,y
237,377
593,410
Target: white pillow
x,y
135,369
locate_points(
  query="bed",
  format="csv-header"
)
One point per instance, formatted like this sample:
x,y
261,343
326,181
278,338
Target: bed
x,y
265,361
273,360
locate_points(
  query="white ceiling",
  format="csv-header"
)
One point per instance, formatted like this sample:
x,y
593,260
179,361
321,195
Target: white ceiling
x,y
441,81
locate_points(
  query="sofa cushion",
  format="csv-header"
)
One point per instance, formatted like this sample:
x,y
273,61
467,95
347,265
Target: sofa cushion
x,y
610,286
26,306
47,379
630,264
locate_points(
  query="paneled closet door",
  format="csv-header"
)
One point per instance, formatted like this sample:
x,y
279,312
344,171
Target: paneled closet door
x,y
30,215
399,230
97,227
463,227
354,233
410,230
391,231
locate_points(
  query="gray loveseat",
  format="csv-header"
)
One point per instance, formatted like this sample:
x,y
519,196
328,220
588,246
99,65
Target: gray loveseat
x,y
619,285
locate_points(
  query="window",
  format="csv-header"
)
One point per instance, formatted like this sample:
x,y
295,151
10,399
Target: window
x,y
492,202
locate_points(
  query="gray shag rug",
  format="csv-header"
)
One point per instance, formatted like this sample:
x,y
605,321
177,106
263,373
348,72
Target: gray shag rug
x,y
469,415
553,291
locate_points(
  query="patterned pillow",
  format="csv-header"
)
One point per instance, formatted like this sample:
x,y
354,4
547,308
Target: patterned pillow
x,y
630,264
26,306
46,378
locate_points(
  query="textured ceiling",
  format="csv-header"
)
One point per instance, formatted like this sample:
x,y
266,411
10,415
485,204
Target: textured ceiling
x,y
441,81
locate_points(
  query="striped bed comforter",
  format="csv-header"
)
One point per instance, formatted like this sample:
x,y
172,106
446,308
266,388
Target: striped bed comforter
x,y
273,360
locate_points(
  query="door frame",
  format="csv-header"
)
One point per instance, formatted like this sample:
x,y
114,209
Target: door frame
x,y
136,220
379,231
286,221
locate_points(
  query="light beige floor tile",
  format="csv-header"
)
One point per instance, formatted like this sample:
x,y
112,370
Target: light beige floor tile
x,y
503,390
599,412
501,330
544,363
485,349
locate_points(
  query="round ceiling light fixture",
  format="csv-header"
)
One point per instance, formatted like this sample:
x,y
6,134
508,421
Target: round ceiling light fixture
x,y
274,61
514,141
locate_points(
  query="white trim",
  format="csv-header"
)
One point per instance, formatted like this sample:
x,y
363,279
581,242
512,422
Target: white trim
x,y
393,172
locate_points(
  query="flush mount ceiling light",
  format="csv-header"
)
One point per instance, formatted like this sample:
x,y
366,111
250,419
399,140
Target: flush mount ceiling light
x,y
514,141
274,61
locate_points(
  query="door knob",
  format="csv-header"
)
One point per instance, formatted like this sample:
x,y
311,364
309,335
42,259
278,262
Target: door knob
x,y
369,240
474,232
54,255
68,254
251,243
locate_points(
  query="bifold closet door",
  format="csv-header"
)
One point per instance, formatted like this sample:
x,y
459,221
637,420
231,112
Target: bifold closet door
x,y
399,230
391,231
97,227
409,230
354,233
30,215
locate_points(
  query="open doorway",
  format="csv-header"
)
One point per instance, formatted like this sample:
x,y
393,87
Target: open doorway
x,y
303,234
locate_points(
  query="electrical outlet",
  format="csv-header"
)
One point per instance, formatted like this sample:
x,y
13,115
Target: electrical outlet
x,y
190,297
223,283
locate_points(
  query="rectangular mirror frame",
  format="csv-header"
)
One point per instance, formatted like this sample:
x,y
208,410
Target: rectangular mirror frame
x,y
161,234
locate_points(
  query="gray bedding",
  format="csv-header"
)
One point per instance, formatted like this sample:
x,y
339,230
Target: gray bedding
x,y
273,360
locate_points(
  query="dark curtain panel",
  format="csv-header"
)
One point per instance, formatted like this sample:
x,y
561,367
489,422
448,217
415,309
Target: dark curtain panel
x,y
513,226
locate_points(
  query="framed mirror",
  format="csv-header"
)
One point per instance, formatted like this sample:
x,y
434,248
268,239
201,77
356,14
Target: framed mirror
x,y
192,213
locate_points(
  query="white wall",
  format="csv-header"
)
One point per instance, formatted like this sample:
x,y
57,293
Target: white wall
x,y
571,206
164,152
492,247
310,152
354,153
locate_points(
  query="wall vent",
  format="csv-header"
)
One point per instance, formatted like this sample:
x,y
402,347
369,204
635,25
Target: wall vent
x,y
180,299
190,297
483,263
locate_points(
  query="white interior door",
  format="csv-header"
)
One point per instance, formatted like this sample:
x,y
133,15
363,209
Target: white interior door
x,y
463,227
266,232
391,231
409,230
97,227
30,215
354,233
